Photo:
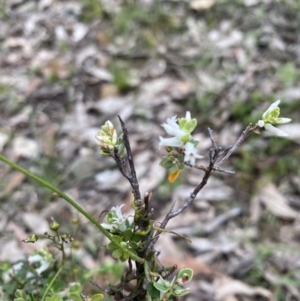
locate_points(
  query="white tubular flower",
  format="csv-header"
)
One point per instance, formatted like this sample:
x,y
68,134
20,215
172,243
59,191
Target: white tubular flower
x,y
270,117
181,132
116,219
44,259
174,142
172,127
190,153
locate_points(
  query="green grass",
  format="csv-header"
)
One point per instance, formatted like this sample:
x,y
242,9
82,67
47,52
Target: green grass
x,y
92,9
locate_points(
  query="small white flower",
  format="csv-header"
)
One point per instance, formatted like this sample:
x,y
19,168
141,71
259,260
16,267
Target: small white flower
x,y
190,153
174,142
119,214
35,258
172,127
44,261
117,220
6,276
181,136
270,117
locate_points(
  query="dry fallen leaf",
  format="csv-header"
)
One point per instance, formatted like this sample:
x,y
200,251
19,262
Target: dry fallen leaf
x,y
25,147
275,202
226,286
15,180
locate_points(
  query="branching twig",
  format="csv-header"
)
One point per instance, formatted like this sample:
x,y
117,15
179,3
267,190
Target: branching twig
x,y
97,285
120,163
214,155
210,133
243,136
132,178
201,167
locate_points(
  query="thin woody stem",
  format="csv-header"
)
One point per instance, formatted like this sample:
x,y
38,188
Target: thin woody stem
x,y
193,195
133,179
201,167
243,136
214,154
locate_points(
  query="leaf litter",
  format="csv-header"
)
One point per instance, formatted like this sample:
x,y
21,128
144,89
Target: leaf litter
x,y
61,78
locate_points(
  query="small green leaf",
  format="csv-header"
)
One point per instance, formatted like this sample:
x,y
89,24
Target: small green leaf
x,y
178,291
166,164
19,293
174,168
117,253
136,238
112,246
56,297
133,245
125,256
161,287
74,297
128,235
152,291
75,288
185,276
97,297
194,142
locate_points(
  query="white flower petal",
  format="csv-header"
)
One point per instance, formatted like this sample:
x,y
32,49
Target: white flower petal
x,y
118,210
188,116
191,153
107,226
172,122
269,127
173,130
44,266
35,258
174,142
282,120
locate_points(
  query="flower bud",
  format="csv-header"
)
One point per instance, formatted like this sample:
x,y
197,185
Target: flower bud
x,y
31,238
54,226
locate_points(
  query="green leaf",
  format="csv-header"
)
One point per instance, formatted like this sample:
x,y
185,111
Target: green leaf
x,y
75,288
128,235
19,293
194,142
97,297
128,224
167,164
181,166
74,297
56,297
112,246
117,253
133,245
185,276
152,291
180,291
174,168
161,287
125,256
136,238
